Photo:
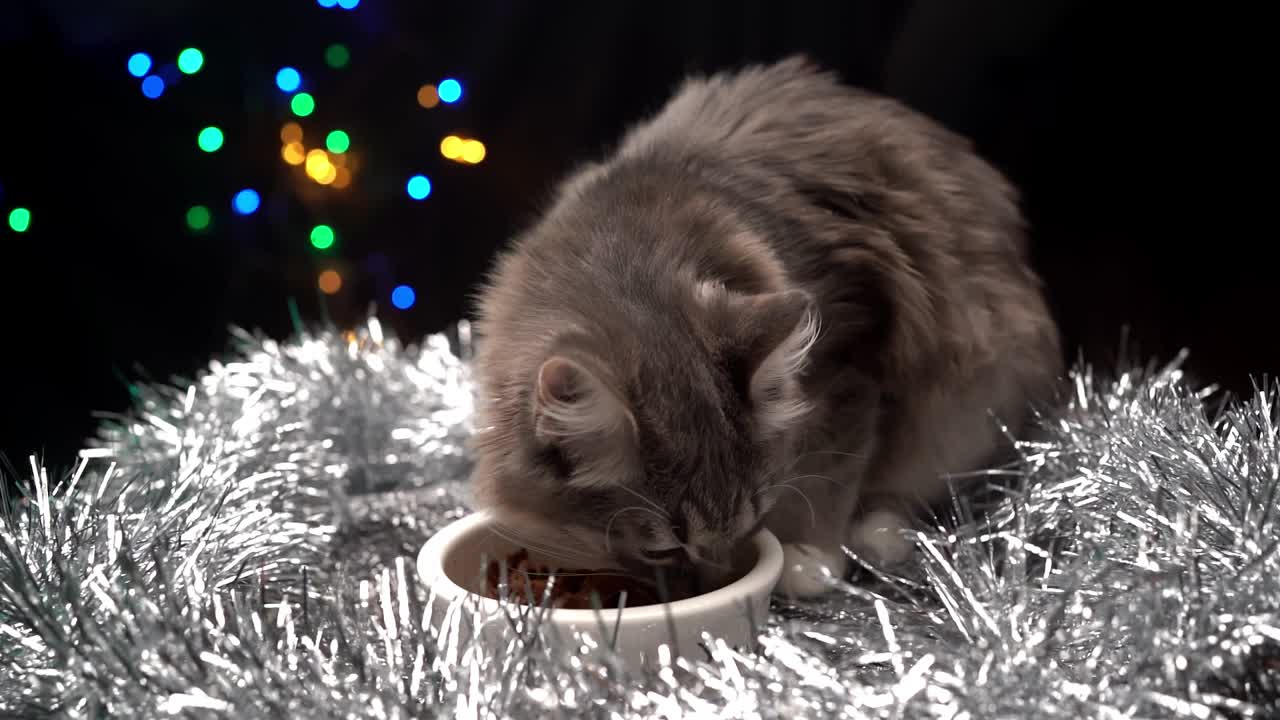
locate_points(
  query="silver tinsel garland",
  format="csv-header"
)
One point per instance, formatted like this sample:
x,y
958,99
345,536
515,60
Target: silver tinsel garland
x,y
242,547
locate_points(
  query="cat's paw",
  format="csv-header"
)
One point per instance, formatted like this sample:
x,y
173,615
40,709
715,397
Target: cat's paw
x,y
878,536
805,569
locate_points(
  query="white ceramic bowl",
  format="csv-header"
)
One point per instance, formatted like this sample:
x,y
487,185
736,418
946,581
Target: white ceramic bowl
x,y
449,564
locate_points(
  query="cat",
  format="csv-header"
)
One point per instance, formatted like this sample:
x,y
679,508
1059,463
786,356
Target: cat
x,y
782,302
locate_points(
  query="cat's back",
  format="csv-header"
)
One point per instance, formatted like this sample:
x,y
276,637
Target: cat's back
x,y
860,200
790,113
869,203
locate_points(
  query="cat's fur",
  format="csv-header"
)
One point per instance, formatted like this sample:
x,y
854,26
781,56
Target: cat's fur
x,y
782,300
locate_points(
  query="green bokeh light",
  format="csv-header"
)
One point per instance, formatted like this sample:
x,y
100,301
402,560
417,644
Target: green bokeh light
x,y
302,104
337,141
198,217
20,219
322,237
210,139
190,61
337,56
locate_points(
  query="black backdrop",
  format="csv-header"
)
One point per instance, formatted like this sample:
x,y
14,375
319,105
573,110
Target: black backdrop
x,y
1125,132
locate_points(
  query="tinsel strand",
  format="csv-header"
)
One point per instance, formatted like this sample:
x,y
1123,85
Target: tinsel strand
x,y
239,546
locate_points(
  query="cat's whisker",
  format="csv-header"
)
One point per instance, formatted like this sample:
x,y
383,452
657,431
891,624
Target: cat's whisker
x,y
791,480
559,552
522,543
831,452
786,467
813,515
704,561
559,574
805,455
609,525
655,505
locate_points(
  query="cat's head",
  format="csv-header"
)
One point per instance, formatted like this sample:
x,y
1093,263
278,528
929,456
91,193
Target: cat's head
x,y
647,440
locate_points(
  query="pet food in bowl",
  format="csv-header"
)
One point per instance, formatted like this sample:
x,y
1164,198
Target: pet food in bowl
x,y
572,589
458,566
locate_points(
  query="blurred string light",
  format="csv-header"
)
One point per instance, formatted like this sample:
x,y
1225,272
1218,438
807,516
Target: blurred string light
x,y
337,56
322,237
153,86
293,153
198,217
462,150
190,61
291,132
320,168
209,139
326,3
330,282
418,187
302,104
317,161
337,141
246,201
451,147
288,79
428,97
19,219
139,64
450,90
403,297
342,179
473,152
348,4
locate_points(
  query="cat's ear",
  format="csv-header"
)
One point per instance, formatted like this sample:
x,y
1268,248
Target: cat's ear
x,y
571,401
772,334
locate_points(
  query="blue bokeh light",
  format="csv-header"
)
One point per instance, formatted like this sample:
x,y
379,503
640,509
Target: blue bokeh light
x,y
449,90
246,201
418,187
288,79
403,297
153,86
326,3
139,64
348,4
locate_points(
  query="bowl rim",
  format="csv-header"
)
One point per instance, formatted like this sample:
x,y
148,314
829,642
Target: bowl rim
x,y
759,580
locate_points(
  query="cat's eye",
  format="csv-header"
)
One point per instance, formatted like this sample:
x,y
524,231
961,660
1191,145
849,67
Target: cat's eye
x,y
662,554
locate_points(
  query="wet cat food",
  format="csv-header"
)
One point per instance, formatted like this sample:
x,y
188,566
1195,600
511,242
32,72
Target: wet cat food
x,y
572,588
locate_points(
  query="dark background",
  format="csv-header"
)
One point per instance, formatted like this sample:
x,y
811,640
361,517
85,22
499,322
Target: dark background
x,y
1126,131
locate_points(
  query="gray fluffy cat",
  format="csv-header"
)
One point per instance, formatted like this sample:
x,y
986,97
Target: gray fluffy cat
x,y
782,301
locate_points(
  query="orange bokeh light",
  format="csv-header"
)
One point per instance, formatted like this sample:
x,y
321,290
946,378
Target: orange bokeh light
x,y
428,97
318,164
330,282
342,179
291,133
294,153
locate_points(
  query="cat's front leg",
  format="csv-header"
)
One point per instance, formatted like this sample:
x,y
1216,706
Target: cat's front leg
x,y
807,569
880,535
811,518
